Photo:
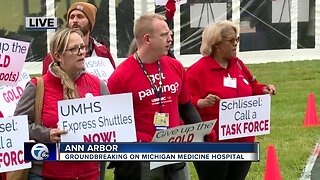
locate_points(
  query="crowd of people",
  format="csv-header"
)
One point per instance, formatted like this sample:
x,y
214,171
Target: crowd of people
x,y
193,99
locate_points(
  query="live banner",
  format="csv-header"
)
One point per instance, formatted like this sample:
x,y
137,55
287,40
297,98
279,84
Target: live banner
x,y
185,133
13,133
243,117
98,119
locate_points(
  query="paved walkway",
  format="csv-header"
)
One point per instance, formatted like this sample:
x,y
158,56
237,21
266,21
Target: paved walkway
x,y
312,169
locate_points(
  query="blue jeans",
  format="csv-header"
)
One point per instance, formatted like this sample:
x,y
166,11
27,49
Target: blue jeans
x,y
102,170
34,177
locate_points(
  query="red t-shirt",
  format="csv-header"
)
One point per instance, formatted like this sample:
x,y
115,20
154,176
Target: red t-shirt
x,y
206,77
129,77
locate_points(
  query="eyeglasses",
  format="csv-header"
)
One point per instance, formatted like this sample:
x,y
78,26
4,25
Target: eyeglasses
x,y
233,39
76,50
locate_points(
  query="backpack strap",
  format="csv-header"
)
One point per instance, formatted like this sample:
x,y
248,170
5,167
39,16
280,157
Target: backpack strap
x,y
39,100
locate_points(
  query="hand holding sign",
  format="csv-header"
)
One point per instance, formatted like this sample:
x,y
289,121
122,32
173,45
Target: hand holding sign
x,y
55,134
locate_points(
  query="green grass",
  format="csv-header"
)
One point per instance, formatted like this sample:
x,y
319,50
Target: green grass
x,y
293,142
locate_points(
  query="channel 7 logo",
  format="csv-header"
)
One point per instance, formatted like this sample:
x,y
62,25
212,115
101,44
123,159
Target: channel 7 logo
x,y
40,151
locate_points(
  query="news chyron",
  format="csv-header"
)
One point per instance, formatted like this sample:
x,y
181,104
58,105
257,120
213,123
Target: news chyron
x,y
41,23
40,151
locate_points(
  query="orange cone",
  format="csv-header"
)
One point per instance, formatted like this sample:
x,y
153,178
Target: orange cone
x,y
311,118
272,170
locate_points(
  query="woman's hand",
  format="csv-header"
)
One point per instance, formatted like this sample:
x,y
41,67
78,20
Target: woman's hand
x,y
270,89
55,134
210,100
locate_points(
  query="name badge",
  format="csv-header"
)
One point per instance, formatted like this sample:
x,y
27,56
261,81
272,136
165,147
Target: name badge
x,y
161,120
230,82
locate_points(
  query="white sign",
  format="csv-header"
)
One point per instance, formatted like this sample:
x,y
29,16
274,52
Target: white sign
x,y
12,56
185,133
281,10
13,133
202,14
41,23
99,66
243,117
10,95
164,2
98,119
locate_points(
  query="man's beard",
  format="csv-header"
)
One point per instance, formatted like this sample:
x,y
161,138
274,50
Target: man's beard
x,y
85,30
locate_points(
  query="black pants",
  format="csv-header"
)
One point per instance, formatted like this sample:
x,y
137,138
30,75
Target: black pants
x,y
131,170
222,170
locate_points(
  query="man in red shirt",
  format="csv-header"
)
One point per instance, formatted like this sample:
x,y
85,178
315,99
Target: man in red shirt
x,y
82,15
158,86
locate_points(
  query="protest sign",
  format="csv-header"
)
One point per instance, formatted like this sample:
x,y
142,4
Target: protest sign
x,y
13,133
185,133
98,119
12,57
10,95
243,117
100,67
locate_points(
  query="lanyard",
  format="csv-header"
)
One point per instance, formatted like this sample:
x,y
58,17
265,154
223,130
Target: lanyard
x,y
158,91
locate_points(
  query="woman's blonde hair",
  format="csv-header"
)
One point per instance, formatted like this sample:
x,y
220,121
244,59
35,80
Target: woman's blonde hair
x,y
58,44
133,47
213,34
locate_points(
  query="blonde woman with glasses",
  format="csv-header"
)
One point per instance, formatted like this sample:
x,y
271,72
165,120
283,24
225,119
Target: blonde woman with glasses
x,y
66,79
226,77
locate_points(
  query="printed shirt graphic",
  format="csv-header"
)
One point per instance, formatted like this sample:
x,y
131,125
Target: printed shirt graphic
x,y
129,77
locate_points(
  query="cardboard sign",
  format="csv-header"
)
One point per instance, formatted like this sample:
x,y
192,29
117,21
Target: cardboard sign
x,y
100,67
12,57
14,132
185,133
10,95
243,117
98,119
